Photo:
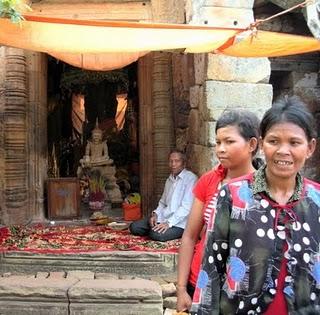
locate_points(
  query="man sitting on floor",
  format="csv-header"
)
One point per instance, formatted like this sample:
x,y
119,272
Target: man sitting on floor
x,y
168,221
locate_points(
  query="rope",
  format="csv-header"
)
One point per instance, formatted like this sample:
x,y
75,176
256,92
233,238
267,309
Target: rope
x,y
255,24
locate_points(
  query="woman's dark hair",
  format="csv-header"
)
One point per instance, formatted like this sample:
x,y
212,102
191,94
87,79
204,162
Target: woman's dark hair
x,y
247,124
291,110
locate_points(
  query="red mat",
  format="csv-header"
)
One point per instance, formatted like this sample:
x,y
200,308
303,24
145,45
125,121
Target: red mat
x,y
77,239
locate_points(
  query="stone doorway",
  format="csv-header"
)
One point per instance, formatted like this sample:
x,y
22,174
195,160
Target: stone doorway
x,y
78,101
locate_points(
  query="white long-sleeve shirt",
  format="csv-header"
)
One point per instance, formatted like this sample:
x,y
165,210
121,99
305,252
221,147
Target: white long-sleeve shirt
x,y
176,200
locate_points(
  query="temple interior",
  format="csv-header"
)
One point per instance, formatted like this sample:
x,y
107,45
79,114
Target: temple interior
x,y
79,100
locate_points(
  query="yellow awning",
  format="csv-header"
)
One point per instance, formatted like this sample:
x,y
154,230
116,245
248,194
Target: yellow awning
x,y
104,43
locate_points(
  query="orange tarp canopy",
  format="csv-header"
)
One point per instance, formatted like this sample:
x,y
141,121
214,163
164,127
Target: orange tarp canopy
x,y
107,45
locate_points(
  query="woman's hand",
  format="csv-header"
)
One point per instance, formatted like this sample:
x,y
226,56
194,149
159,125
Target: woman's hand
x,y
184,300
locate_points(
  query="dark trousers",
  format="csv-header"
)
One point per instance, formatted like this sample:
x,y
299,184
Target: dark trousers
x,y
143,228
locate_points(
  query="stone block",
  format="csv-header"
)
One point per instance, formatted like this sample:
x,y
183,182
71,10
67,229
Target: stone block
x,y
159,280
181,138
207,135
42,275
221,95
194,129
168,289
171,278
118,262
246,4
200,158
57,275
170,302
310,96
194,96
105,275
200,68
22,295
80,274
91,297
303,80
223,17
247,70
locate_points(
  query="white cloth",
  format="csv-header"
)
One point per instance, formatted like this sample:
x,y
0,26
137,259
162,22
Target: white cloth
x,y
177,198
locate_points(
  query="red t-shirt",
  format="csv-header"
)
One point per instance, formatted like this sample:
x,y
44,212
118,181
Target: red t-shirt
x,y
204,190
279,305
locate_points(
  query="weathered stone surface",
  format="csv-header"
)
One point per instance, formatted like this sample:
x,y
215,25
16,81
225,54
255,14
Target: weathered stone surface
x,y
222,17
159,280
200,68
207,135
171,278
170,302
246,4
227,68
303,80
168,289
221,95
181,138
14,189
248,70
80,274
171,11
194,123
284,24
194,96
42,275
21,295
93,297
312,17
200,158
136,263
38,296
21,286
58,275
105,275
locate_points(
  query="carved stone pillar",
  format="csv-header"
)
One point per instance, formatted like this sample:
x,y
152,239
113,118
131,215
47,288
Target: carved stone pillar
x,y
37,132
163,137
163,11
13,136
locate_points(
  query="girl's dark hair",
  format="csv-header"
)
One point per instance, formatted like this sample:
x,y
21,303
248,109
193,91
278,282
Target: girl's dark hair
x,y
291,110
247,124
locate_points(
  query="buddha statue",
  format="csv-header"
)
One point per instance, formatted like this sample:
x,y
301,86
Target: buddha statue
x,y
96,153
97,158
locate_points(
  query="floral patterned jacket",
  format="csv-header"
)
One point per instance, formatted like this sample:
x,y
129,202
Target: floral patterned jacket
x,y
245,246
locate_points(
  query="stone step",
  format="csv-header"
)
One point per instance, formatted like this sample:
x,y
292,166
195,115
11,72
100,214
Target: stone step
x,y
78,294
118,262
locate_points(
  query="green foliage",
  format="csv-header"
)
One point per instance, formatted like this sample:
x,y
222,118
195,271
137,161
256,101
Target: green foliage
x,y
12,9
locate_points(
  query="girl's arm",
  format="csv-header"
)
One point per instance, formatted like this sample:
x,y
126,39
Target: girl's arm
x,y
189,239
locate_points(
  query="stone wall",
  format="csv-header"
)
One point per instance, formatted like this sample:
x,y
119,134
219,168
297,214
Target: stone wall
x,y
222,81
306,86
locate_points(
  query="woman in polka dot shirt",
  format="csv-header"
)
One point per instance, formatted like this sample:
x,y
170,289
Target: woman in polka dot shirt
x,y
237,136
262,253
